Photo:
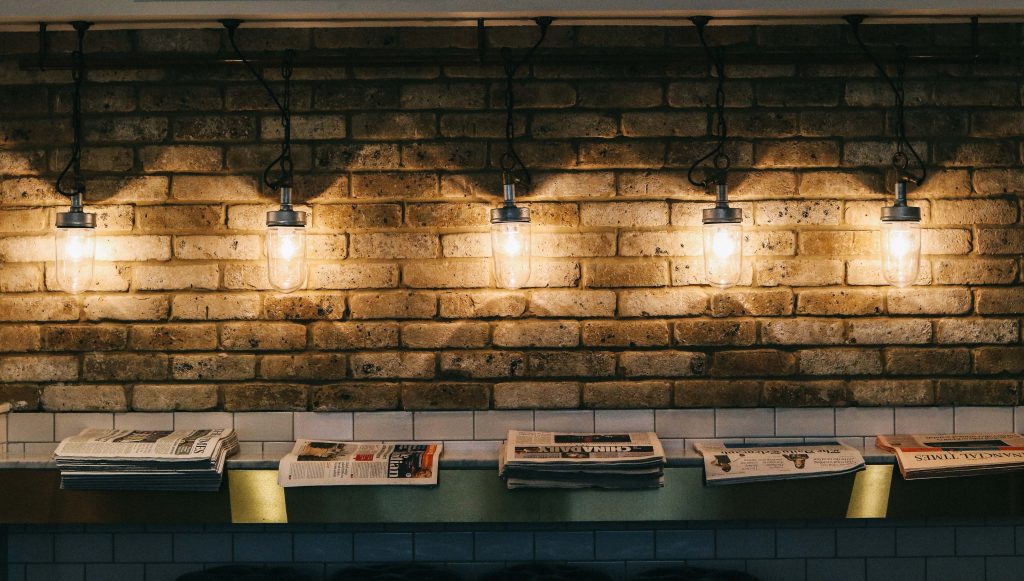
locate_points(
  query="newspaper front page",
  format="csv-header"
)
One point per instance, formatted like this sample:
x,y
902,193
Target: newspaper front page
x,y
330,463
165,446
945,455
728,463
571,460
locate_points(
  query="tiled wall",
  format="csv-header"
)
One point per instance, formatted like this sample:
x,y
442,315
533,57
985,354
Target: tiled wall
x,y
797,551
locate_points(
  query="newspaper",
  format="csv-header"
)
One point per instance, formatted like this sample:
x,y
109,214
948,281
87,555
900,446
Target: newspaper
x,y
735,463
945,455
145,459
570,460
329,463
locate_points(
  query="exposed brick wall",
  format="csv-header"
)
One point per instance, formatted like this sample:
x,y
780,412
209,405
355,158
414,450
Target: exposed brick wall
x,y
398,166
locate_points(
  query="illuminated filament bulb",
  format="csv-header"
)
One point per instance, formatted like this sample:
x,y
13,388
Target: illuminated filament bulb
x,y
76,251
723,254
901,252
510,244
286,257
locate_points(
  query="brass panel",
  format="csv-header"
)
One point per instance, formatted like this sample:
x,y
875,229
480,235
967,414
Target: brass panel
x,y
256,497
870,496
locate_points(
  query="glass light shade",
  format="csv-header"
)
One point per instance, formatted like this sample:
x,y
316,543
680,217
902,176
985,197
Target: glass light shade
x,y
723,254
901,252
76,255
510,246
286,257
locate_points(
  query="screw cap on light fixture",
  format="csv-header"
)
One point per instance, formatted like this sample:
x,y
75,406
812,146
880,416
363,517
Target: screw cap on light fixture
x,y
900,211
723,215
283,217
506,214
76,219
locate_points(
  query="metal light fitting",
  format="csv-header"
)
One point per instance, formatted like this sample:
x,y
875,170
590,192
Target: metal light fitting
x,y
722,213
900,211
286,216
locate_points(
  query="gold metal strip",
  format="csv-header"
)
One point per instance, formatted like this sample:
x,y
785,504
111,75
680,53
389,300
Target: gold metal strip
x,y
870,495
256,497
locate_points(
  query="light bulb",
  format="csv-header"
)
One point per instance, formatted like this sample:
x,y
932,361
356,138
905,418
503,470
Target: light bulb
x,y
286,257
901,252
723,253
510,246
76,252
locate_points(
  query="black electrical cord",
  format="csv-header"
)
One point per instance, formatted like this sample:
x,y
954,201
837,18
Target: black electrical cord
x,y
74,165
900,160
283,162
510,159
719,158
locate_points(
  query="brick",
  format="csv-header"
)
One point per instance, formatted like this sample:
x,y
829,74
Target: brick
x,y
124,367
215,307
800,272
967,331
478,125
315,366
624,214
621,273
1000,301
304,307
38,308
125,308
834,243
889,331
393,126
662,363
180,158
802,332
974,212
934,241
148,130
537,395
166,398
449,215
861,272
15,338
662,303
393,305
20,278
627,394
702,393
999,360
626,333
819,393
447,274
887,392
754,303
38,368
349,216
217,247
353,276
715,332
146,277
27,249
803,153
262,336
83,338
84,398
179,98
929,301
1001,241
615,95
572,303
265,397
842,362
532,333
621,154
392,365
442,335
22,397
571,364
306,127
213,367
987,392
574,125
361,396
763,362
975,271
351,336
30,220
922,361
664,124
446,396
193,188
388,245
208,128
573,245
839,302
173,337
481,304
483,364
661,244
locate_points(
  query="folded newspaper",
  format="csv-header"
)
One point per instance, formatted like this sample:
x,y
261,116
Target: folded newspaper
x,y
328,463
736,463
944,455
98,459
562,460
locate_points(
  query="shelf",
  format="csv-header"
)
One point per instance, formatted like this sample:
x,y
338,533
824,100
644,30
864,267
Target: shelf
x,y
477,496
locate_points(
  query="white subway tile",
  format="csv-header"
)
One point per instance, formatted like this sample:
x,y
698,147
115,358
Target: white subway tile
x,y
30,427
203,420
983,419
805,422
323,426
864,421
623,421
250,450
277,450
563,421
263,426
697,423
1018,419
494,425
382,426
742,423
39,449
443,425
928,420
70,424
144,421
14,450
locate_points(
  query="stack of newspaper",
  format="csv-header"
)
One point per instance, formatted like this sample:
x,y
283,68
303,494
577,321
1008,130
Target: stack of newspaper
x,y
943,455
99,459
735,463
556,460
329,463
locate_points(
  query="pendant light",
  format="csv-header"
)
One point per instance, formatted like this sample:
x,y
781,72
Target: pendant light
x,y
510,224
900,230
76,229
286,227
723,229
